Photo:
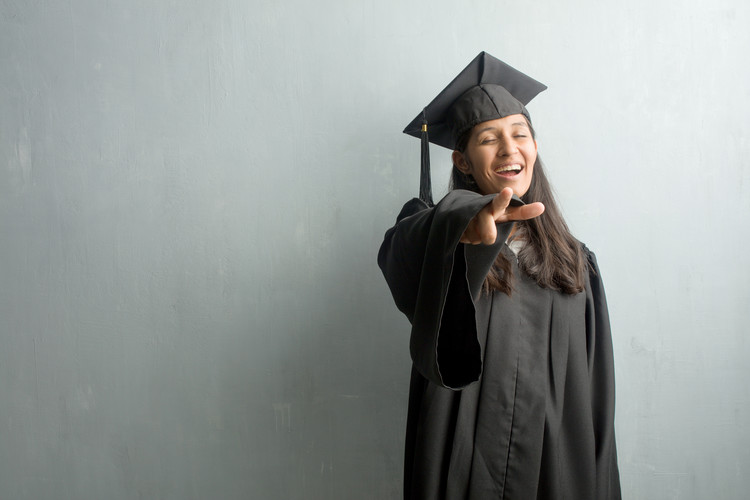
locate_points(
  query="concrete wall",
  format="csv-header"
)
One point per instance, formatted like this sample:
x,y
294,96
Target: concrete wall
x,y
192,195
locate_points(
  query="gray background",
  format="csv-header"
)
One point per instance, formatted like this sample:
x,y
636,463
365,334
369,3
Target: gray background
x,y
192,195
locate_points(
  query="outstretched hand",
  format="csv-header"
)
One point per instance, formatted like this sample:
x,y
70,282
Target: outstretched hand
x,y
482,229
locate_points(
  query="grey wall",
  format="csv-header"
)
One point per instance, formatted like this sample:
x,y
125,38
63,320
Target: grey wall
x,y
192,195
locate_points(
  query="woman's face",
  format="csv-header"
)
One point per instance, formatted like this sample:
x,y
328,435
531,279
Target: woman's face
x,y
500,153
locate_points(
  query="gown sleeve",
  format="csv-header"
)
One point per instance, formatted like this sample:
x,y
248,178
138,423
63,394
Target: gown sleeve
x,y
602,376
434,281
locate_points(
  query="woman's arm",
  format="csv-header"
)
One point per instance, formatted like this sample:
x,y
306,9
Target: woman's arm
x,y
435,285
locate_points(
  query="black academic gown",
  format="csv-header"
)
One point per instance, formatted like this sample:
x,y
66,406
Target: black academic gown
x,y
510,397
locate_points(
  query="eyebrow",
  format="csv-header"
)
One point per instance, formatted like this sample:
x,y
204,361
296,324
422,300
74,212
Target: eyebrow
x,y
522,124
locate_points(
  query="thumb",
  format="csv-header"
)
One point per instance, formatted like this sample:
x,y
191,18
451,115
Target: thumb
x,y
500,203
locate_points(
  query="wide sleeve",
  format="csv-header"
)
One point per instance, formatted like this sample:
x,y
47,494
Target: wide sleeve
x,y
435,281
602,376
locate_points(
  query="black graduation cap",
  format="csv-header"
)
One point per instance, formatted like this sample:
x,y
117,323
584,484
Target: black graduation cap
x,y
485,90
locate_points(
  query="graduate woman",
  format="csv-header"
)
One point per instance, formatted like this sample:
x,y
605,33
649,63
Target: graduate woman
x,y
512,387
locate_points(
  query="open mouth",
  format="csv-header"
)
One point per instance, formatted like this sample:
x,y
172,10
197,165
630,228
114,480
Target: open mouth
x,y
510,170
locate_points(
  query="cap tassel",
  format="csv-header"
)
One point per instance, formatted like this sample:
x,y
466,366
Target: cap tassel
x,y
425,182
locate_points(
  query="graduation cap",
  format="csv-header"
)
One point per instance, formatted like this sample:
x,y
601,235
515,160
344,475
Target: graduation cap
x,y
485,90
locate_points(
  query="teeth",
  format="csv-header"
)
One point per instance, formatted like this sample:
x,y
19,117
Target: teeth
x,y
509,168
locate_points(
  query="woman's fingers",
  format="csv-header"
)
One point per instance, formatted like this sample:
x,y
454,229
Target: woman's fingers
x,y
482,228
525,212
486,227
503,212
500,203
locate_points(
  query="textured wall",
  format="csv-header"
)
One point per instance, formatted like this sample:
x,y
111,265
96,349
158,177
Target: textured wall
x,y
192,195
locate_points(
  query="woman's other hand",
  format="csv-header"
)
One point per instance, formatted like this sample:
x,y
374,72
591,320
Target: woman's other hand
x,y
482,229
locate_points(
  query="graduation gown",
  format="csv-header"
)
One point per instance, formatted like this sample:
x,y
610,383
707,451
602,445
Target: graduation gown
x,y
511,397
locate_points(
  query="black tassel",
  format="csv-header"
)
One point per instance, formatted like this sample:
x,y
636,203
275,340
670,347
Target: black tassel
x,y
425,182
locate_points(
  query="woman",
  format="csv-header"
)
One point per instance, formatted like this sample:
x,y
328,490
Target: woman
x,y
512,388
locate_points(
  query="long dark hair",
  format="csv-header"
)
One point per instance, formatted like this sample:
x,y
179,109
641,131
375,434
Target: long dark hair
x,y
551,255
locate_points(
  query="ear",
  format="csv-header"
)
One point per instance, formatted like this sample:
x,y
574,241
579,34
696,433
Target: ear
x,y
460,162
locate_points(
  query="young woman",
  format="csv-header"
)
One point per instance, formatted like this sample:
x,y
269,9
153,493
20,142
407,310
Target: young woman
x,y
512,389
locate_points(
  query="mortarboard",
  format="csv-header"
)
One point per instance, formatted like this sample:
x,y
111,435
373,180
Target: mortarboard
x,y
485,90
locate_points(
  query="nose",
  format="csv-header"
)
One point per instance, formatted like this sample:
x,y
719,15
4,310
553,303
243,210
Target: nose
x,y
507,147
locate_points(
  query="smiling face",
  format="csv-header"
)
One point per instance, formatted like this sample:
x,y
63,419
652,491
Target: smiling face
x,y
500,153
